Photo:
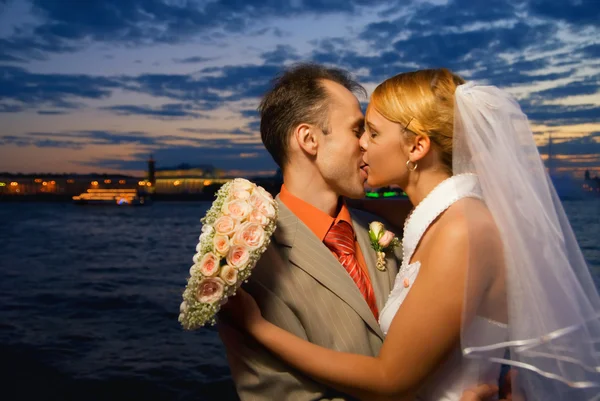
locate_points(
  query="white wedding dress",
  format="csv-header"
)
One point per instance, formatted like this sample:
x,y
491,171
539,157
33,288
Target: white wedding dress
x,y
457,373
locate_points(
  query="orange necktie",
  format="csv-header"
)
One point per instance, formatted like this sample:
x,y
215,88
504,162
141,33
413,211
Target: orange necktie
x,y
340,239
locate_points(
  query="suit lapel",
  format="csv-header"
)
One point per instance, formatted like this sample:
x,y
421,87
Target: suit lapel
x,y
308,253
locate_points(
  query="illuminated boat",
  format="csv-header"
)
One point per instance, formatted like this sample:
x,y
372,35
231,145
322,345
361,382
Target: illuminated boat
x,y
119,197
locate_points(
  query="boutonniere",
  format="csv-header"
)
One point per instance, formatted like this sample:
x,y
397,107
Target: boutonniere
x,y
381,241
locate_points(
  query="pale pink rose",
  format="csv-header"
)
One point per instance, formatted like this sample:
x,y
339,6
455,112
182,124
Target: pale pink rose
x,y
225,225
209,265
257,217
268,210
250,235
210,290
240,194
262,204
238,257
236,209
386,239
229,274
221,244
264,193
242,185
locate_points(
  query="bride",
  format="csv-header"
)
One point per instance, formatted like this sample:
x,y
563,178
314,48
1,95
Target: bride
x,y
491,271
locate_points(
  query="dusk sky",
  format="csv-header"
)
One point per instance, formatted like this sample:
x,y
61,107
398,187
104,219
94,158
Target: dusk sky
x,y
99,85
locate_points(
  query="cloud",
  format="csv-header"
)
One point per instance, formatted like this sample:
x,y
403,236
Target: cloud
x,y
573,155
592,51
25,141
575,12
81,139
11,108
210,131
208,89
52,112
211,87
26,89
192,60
139,22
166,111
588,86
280,55
222,154
249,113
585,145
471,49
561,114
207,138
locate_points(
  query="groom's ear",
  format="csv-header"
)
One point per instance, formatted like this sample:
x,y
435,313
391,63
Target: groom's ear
x,y
306,137
419,147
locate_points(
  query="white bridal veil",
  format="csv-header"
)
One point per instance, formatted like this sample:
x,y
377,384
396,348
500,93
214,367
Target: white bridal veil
x,y
548,299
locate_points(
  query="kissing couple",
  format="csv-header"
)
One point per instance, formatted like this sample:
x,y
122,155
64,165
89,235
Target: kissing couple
x,y
488,276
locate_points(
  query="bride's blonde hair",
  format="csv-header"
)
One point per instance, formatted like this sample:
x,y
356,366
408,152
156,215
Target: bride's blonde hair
x,y
422,101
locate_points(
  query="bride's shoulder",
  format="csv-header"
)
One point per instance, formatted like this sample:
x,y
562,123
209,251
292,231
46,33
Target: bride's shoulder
x,y
468,221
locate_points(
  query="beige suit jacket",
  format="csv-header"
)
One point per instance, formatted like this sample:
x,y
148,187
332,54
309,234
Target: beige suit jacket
x,y
301,287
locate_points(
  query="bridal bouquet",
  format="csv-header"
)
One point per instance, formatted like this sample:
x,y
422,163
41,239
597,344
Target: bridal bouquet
x,y
236,231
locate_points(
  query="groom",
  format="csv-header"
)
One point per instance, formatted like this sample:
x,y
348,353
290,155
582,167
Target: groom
x,y
318,278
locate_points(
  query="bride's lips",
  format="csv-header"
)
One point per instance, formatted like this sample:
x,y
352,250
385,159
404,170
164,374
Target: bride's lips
x,y
364,172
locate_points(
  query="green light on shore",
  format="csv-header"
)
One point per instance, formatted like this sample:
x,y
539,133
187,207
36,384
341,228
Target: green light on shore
x,y
2,184
387,194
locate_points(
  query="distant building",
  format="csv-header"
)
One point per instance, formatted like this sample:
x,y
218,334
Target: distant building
x,y
186,179
61,184
180,180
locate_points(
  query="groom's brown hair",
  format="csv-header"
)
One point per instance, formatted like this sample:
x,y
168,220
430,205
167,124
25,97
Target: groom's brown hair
x,y
298,96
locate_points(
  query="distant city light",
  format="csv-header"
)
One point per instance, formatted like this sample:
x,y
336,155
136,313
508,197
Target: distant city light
x,y
94,183
107,181
121,181
141,183
38,180
52,182
177,182
149,184
207,182
70,181
14,184
2,184
44,183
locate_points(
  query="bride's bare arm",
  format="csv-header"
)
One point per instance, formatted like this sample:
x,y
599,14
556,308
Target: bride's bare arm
x,y
424,330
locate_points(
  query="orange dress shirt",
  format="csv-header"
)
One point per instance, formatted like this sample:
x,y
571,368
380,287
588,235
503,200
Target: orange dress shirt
x,y
320,222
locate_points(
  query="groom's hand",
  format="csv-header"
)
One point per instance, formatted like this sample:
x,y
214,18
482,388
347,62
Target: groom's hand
x,y
483,392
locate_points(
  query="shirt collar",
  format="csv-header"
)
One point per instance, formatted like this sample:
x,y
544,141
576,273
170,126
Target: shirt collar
x,y
315,219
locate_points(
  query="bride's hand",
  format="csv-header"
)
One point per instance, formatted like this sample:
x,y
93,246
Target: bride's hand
x,y
243,311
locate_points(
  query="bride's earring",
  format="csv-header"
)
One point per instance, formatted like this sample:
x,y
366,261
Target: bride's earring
x,y
408,165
